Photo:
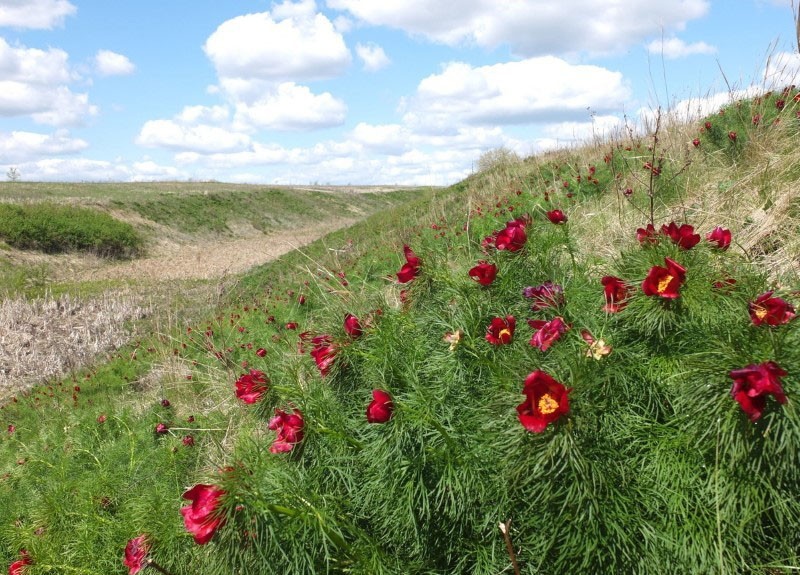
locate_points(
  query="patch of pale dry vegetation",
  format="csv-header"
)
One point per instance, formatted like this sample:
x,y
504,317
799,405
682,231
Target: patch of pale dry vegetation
x,y
51,336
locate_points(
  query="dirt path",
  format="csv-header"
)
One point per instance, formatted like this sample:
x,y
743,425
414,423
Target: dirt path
x,y
210,259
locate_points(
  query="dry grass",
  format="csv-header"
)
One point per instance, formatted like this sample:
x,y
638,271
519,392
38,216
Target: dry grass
x,y
50,336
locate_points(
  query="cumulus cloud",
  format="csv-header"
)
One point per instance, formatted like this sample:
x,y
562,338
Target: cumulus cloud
x,y
673,48
545,89
176,134
110,63
38,14
35,83
292,43
22,146
292,107
533,27
373,57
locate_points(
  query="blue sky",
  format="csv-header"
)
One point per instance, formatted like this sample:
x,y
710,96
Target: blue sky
x,y
356,91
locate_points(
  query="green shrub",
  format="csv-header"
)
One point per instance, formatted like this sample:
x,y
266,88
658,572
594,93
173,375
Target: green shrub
x,y
54,228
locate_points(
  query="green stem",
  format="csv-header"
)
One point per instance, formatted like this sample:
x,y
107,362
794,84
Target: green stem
x,y
157,567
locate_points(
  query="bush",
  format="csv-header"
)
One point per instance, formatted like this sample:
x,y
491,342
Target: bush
x,y
54,228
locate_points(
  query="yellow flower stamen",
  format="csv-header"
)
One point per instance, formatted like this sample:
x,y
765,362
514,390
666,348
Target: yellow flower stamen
x,y
760,311
547,404
662,285
504,333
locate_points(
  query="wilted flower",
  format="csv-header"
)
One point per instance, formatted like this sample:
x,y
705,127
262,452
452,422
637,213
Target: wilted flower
x,y
324,353
682,235
665,281
352,326
136,554
545,401
251,386
545,295
547,332
647,236
721,237
380,408
597,347
753,383
770,310
289,428
453,338
484,273
556,217
501,331
410,269
202,517
616,292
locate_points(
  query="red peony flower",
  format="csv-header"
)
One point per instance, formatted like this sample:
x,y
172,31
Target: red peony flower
x,y
682,235
410,269
696,142
547,332
251,386
771,310
484,273
380,408
721,237
289,428
647,236
352,326
18,566
545,401
188,441
202,517
261,352
513,236
324,353
501,331
616,292
544,296
136,554
665,281
732,136
161,428
556,217
753,383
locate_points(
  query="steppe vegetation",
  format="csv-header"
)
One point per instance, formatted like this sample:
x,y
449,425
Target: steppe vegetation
x,y
582,362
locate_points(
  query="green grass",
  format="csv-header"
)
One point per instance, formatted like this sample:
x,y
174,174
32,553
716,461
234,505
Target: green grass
x,y
654,469
54,228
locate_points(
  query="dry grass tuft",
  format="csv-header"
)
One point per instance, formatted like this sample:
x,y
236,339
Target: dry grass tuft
x,y
49,337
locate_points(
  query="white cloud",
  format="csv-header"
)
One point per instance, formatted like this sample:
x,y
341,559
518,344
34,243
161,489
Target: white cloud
x,y
532,27
34,83
292,43
110,63
200,138
542,90
21,146
673,48
39,14
782,69
373,56
292,107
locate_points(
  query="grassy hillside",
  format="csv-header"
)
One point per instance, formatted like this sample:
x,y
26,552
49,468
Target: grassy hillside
x,y
568,368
